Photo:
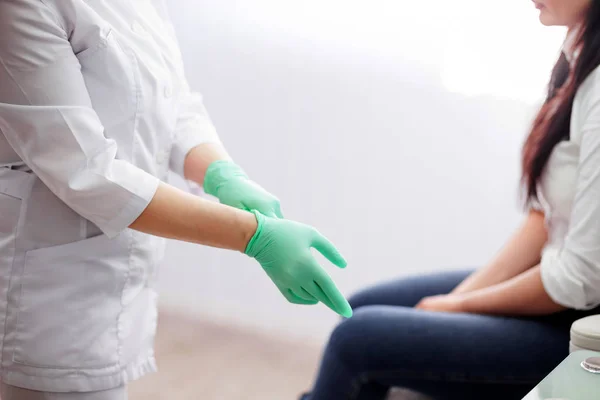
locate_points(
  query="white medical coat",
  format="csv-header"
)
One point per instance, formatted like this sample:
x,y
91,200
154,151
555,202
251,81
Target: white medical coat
x,y
94,109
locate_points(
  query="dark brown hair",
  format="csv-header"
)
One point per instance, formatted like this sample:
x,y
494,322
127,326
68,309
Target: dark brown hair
x,y
552,123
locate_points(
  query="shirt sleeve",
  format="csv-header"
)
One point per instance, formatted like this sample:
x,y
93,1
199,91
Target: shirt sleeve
x,y
571,275
194,126
47,117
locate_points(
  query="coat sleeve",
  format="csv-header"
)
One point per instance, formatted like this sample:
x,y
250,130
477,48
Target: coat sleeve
x,y
47,117
193,126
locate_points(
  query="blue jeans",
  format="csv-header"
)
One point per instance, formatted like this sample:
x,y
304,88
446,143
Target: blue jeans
x,y
387,343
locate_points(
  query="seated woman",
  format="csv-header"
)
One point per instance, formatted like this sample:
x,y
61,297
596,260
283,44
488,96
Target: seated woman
x,y
495,333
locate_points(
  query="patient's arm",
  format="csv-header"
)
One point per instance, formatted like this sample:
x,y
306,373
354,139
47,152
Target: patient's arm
x,y
521,295
521,252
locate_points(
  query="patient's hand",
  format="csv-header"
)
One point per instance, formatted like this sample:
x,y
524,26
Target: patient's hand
x,y
451,303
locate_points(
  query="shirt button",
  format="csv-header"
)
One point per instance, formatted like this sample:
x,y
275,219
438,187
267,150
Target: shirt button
x,y
168,92
138,28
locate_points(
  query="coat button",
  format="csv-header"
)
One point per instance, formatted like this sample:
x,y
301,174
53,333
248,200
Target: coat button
x,y
168,92
138,28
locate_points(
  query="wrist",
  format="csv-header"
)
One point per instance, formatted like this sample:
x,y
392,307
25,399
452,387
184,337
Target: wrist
x,y
471,302
251,229
463,302
219,172
198,159
459,290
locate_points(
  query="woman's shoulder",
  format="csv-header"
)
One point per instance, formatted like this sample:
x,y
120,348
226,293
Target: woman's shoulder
x,y
586,106
591,84
587,97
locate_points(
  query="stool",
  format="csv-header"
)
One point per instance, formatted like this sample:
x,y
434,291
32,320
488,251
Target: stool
x,y
585,334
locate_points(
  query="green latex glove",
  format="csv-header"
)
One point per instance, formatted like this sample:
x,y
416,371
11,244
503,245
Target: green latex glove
x,y
283,249
230,184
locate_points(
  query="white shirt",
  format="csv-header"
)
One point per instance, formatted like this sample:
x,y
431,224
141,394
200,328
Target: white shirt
x,y
570,198
94,101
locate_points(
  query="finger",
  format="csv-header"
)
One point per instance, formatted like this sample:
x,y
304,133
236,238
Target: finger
x,y
316,291
426,301
269,213
325,247
421,303
306,293
264,210
296,299
278,212
303,294
335,296
289,295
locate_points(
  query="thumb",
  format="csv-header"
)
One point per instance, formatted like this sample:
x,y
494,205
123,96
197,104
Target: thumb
x,y
264,210
267,212
278,212
325,247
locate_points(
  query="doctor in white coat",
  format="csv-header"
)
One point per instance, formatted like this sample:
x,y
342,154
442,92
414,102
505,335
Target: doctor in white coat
x,y
94,111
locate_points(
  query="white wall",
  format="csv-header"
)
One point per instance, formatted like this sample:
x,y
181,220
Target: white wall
x,y
360,138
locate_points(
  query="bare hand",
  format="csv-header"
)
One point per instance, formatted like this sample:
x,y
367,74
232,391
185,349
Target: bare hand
x,y
450,303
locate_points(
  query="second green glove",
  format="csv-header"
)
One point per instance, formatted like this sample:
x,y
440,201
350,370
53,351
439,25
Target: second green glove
x,y
230,184
283,249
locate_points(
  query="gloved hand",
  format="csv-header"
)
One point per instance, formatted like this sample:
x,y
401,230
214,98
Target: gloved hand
x,y
228,182
283,249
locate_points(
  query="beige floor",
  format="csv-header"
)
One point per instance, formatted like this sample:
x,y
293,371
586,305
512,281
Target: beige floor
x,y
200,360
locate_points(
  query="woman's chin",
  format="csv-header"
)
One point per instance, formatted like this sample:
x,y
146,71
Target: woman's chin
x,y
547,20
